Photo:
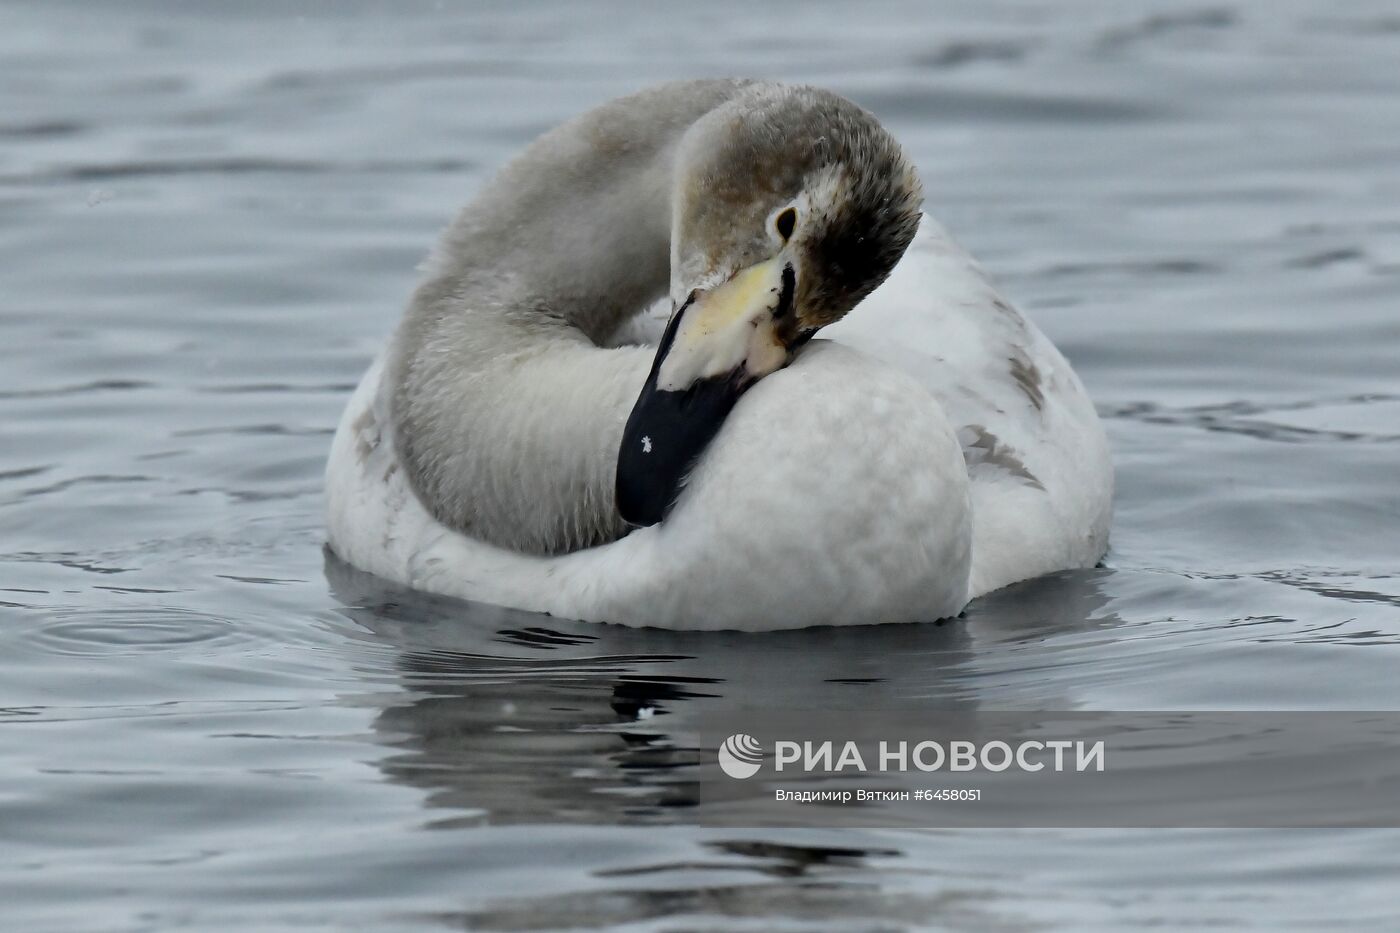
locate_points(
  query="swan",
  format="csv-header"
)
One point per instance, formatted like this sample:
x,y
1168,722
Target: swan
x,y
605,400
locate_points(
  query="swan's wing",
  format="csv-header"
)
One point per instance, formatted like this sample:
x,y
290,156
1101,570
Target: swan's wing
x,y
1037,458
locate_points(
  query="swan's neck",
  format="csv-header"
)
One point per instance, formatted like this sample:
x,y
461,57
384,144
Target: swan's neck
x,y
496,363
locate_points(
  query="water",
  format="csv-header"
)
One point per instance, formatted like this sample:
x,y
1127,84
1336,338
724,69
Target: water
x,y
209,221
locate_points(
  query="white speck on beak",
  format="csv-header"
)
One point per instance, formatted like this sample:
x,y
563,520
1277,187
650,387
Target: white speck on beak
x,y
646,445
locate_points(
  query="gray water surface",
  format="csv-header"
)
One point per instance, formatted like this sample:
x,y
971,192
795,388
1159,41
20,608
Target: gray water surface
x,y
209,222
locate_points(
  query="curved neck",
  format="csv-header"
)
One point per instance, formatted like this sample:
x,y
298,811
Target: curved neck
x,y
508,415
579,225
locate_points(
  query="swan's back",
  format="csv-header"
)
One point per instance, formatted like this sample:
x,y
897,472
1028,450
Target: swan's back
x,y
1038,463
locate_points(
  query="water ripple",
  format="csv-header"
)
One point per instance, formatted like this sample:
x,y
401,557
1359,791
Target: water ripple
x,y
100,633
1242,418
99,385
237,165
41,129
958,54
1165,24
982,106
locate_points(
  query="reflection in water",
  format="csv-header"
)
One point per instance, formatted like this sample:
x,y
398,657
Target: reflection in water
x,y
508,716
838,905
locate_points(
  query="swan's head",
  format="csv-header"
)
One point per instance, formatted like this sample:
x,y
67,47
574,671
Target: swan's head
x,y
789,206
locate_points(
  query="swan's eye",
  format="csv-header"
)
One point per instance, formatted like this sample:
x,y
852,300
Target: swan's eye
x,y
785,223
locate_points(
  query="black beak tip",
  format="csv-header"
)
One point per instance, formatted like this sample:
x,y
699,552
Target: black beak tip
x,y
640,503
665,435
643,487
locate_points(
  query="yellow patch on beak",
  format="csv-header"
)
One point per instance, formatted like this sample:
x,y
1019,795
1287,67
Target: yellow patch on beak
x,y
728,328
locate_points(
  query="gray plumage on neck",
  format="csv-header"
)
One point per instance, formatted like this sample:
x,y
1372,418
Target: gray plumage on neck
x,y
507,412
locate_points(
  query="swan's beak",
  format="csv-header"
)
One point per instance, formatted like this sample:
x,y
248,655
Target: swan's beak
x,y
717,344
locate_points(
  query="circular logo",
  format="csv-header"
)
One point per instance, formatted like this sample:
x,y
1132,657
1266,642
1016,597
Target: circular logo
x,y
740,756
